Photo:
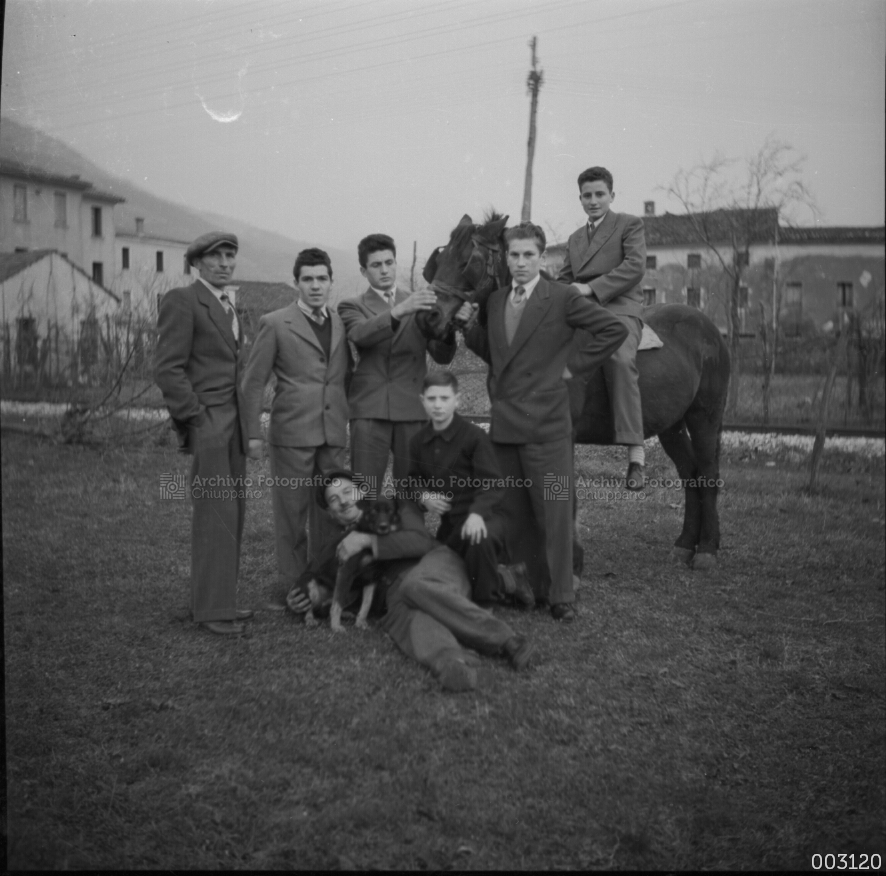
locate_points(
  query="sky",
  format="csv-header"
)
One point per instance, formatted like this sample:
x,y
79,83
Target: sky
x,y
326,120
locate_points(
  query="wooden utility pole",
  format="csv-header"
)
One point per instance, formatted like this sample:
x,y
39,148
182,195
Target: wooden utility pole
x,y
533,83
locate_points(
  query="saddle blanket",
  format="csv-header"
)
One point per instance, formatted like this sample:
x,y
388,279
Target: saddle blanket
x,y
649,340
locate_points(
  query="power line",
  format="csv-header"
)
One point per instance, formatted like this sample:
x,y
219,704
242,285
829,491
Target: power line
x,y
329,75
340,30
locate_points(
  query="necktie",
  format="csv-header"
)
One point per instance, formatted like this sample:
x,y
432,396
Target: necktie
x,y
519,296
389,299
317,315
590,230
232,315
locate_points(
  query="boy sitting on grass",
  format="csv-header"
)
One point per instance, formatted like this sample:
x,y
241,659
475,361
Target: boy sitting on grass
x,y
453,472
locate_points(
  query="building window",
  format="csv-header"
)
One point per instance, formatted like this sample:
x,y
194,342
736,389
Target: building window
x,y
651,263
61,210
792,308
693,260
20,203
693,296
125,256
648,208
648,296
159,261
742,258
96,221
139,225
98,273
127,300
21,249
743,297
845,297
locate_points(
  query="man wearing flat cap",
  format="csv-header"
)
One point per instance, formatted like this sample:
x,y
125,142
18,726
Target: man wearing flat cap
x,y
198,371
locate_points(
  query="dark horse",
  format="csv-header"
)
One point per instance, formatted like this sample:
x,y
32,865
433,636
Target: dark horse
x,y
682,384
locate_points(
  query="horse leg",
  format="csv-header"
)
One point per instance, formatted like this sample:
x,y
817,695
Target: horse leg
x,y
677,445
705,436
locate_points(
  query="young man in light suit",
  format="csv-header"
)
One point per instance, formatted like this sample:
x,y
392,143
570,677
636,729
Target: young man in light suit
x,y
529,331
198,370
384,395
606,260
304,345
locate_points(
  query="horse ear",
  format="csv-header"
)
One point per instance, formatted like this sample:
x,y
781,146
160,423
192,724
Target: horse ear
x,y
498,227
430,268
465,220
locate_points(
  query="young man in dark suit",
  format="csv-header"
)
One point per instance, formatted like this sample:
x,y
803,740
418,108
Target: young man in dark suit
x,y
606,260
304,345
529,331
384,394
198,370
453,472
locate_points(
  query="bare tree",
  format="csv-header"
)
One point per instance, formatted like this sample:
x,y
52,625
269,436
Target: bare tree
x,y
732,204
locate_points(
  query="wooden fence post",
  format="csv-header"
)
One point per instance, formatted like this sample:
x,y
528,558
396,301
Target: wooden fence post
x,y
821,431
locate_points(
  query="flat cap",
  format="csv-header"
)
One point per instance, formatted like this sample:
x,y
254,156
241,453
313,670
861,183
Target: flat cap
x,y
206,243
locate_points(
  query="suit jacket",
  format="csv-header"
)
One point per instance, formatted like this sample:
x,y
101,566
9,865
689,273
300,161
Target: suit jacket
x,y
612,264
530,400
392,364
198,361
310,405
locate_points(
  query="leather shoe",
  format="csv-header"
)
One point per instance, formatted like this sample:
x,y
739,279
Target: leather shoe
x,y
224,628
457,676
519,650
563,611
636,478
244,614
513,579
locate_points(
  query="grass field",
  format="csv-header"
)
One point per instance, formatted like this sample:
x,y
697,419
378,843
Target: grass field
x,y
728,721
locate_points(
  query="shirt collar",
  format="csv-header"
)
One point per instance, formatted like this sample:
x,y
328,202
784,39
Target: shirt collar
x,y
213,289
599,222
529,287
310,313
446,434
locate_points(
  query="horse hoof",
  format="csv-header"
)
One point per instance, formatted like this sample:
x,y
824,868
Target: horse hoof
x,y
704,562
682,555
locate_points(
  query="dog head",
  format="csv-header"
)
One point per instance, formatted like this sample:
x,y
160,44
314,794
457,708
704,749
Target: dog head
x,y
380,517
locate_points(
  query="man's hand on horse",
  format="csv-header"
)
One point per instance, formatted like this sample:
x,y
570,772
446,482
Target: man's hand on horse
x,y
423,299
582,288
466,315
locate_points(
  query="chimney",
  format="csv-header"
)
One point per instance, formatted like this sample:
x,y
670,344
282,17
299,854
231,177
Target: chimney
x,y
648,208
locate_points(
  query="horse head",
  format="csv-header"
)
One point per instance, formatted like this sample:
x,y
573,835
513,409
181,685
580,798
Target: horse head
x,y
468,268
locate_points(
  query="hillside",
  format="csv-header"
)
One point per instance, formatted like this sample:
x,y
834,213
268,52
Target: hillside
x,y
264,255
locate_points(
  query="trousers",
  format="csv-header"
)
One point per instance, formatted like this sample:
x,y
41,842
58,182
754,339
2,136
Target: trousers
x,y
218,494
431,618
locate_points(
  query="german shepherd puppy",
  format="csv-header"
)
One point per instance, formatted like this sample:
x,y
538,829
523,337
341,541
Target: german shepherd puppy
x,y
380,517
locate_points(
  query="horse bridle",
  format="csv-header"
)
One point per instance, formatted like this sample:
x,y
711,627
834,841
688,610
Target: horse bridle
x,y
474,286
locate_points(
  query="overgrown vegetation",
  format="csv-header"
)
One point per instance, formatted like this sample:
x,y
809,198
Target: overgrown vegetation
x,y
724,722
